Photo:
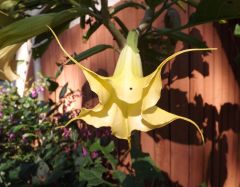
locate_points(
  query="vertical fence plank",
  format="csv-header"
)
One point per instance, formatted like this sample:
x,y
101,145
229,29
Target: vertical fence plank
x,y
179,90
208,121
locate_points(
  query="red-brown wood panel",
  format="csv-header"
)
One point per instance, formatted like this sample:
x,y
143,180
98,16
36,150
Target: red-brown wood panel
x,y
208,122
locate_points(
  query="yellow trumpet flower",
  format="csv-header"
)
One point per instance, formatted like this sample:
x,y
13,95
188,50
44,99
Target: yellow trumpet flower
x,y
8,62
127,100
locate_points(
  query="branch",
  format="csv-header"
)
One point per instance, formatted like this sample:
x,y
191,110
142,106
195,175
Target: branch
x,y
110,26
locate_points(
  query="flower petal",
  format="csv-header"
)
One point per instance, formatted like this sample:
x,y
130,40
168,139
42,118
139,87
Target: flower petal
x,y
98,84
157,117
153,83
128,76
8,62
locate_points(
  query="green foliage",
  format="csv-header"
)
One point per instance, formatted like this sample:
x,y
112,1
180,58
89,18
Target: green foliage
x,y
215,10
20,31
34,152
237,30
90,52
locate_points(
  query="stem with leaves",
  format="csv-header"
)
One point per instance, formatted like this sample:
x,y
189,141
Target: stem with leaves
x,y
110,26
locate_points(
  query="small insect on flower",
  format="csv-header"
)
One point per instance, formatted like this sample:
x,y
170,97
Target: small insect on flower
x,y
127,100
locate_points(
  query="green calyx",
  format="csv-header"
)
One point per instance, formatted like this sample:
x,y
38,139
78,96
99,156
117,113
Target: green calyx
x,y
132,40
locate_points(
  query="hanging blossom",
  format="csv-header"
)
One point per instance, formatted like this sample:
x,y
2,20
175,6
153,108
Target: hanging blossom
x,y
127,100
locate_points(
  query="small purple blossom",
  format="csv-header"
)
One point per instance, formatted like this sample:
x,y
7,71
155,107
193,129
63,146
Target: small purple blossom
x,y
11,136
34,93
40,89
1,114
84,151
66,132
94,154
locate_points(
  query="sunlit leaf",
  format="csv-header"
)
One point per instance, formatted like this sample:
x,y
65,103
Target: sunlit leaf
x,y
237,30
24,29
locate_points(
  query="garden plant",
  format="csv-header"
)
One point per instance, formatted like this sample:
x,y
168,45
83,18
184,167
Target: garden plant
x,y
42,143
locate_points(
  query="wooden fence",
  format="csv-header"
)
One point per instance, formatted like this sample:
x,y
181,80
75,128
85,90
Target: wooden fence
x,y
201,87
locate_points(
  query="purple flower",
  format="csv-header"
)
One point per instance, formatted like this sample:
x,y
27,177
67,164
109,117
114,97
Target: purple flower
x,y
40,89
84,151
11,136
66,132
1,114
94,154
34,93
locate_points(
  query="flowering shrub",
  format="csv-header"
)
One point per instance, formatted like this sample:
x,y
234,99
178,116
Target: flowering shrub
x,y
33,152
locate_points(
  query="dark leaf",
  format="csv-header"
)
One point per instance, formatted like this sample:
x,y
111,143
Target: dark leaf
x,y
89,52
91,30
63,91
215,10
59,71
52,85
122,25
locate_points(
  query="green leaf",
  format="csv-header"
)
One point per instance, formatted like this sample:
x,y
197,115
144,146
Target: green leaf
x,y
214,10
63,91
59,71
42,173
18,128
89,52
144,166
94,27
5,20
43,40
7,165
52,85
122,25
92,175
26,28
106,150
14,174
119,175
8,4
29,135
237,30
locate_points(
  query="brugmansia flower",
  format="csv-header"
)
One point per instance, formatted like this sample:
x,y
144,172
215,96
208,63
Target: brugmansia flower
x,y
8,62
127,100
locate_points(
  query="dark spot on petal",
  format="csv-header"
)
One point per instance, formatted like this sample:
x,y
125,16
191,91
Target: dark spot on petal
x,y
130,88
